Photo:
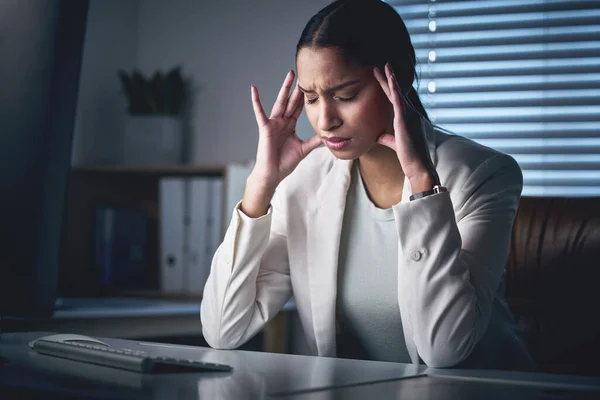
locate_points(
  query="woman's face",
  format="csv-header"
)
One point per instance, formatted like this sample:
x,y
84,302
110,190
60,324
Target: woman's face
x,y
344,102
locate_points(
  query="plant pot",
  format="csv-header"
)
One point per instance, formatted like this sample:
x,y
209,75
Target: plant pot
x,y
152,140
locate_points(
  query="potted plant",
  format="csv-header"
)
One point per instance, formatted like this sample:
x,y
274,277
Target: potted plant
x,y
155,105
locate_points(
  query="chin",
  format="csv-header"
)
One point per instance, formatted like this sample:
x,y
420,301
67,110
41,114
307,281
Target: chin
x,y
353,153
346,154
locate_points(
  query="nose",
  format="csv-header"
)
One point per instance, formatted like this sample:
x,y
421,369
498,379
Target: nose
x,y
329,119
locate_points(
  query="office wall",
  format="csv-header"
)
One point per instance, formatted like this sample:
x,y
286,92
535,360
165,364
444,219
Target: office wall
x,y
223,46
110,44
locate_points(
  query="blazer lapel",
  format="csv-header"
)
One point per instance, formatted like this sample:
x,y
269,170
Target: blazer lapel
x,y
324,225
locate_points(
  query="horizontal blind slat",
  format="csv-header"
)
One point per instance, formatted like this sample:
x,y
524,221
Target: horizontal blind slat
x,y
549,146
584,112
562,162
560,191
526,130
508,36
561,178
513,83
499,118
477,68
525,51
418,9
421,26
487,21
556,98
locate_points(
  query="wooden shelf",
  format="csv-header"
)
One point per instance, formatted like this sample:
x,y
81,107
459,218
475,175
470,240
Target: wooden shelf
x,y
115,186
162,170
155,294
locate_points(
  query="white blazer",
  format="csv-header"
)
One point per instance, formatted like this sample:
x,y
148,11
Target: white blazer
x,y
452,249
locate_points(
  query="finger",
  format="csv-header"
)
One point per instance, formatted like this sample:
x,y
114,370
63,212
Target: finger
x,y
397,101
310,144
293,102
259,112
395,95
387,140
299,107
382,81
282,98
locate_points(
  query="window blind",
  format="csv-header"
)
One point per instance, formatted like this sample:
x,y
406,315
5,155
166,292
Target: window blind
x,y
520,76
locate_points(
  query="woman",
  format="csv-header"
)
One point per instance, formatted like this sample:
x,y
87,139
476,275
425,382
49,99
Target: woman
x,y
395,235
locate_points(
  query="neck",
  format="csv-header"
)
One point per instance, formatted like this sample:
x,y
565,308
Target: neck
x,y
382,176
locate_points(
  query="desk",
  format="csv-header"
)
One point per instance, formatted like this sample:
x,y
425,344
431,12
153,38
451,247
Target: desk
x,y
260,375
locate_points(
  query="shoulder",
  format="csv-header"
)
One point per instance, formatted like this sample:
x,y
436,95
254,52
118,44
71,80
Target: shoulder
x,y
465,166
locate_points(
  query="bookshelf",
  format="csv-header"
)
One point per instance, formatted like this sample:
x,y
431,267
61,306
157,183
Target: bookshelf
x,y
92,186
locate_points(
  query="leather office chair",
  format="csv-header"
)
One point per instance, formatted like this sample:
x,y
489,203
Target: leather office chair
x,y
552,282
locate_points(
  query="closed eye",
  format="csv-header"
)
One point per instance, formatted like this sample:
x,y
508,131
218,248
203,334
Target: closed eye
x,y
347,98
312,101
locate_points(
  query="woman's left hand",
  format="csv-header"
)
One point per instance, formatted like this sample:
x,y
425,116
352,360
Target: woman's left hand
x,y
409,144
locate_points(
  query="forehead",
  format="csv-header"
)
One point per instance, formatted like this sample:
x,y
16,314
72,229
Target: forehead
x,y
322,68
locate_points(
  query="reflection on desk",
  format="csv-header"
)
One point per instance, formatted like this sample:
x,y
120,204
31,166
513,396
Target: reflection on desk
x,y
259,375
445,388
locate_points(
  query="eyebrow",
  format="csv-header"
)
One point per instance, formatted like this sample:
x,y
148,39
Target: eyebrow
x,y
332,89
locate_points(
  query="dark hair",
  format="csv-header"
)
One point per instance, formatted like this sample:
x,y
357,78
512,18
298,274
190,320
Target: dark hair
x,y
371,33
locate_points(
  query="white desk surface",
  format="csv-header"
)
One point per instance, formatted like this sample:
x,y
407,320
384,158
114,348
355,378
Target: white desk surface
x,y
262,375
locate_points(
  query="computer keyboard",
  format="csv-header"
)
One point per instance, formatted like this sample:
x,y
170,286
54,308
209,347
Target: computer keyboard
x,y
127,359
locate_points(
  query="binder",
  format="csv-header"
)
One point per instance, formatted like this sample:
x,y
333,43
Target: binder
x,y
197,235
172,199
235,186
205,231
191,230
215,217
104,237
120,240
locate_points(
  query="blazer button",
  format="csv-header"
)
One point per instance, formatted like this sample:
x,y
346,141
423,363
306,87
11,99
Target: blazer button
x,y
415,255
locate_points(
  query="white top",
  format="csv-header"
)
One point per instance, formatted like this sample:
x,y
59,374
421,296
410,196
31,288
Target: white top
x,y
368,280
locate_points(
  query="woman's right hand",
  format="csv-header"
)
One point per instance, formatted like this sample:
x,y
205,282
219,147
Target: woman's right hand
x,y
280,150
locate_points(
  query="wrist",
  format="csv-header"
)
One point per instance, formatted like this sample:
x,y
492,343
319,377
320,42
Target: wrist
x,y
261,183
257,197
422,183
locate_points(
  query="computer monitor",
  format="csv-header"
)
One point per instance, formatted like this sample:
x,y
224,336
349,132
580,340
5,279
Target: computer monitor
x,y
41,44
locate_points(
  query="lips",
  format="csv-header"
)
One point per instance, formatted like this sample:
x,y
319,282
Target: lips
x,y
337,143
337,139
